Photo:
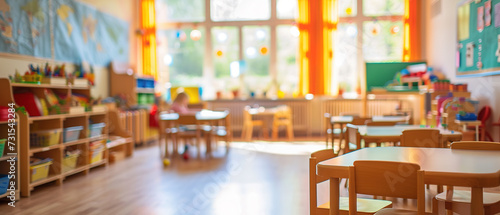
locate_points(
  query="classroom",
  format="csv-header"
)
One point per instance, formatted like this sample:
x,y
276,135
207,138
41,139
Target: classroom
x,y
229,107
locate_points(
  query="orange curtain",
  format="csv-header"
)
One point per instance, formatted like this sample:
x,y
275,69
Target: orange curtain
x,y
148,26
412,45
316,23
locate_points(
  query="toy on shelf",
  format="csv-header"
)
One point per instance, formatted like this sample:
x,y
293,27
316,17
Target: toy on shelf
x,y
56,77
457,108
80,78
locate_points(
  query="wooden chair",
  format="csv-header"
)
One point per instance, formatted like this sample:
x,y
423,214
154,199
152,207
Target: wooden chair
x,y
353,138
384,178
331,132
249,123
221,130
369,206
372,123
189,128
283,117
428,138
459,201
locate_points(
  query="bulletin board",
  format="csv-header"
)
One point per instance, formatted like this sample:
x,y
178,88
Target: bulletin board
x,y
378,74
478,28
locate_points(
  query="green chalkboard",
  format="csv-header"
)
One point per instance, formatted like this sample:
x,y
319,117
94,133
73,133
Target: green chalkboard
x,y
482,44
378,74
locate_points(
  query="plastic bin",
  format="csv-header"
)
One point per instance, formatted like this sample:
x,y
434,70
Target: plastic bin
x,y
45,138
96,129
2,146
96,151
72,133
4,184
69,162
40,171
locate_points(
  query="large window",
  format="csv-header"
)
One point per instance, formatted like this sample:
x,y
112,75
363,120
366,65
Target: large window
x,y
368,31
249,47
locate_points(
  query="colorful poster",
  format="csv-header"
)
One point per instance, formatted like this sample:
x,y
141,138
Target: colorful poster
x,y
25,27
480,18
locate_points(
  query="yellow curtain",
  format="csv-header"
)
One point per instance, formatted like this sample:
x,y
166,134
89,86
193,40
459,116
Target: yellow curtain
x,y
412,45
148,26
317,20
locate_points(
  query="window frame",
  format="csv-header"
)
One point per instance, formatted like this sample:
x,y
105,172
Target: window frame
x,y
358,20
208,24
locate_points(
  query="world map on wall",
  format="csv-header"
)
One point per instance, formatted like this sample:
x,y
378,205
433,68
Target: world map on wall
x,y
81,32
24,27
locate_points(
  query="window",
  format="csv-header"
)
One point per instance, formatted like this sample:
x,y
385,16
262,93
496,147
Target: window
x,y
178,10
181,57
240,56
374,34
238,10
288,46
287,9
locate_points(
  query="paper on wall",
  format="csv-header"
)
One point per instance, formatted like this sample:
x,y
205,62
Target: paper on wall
x,y
480,18
487,13
497,53
464,22
497,15
469,55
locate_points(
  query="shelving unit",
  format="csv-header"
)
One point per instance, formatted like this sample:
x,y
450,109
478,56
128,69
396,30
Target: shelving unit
x,y
56,152
431,119
5,165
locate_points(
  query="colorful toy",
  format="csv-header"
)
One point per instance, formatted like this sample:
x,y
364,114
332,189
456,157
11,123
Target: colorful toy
x,y
166,162
185,154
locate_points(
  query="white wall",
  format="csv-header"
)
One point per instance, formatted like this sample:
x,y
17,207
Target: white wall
x,y
123,9
441,41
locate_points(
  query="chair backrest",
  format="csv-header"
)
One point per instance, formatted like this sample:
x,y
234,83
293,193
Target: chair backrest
x,y
372,123
386,178
314,179
283,112
476,145
359,121
353,136
428,138
187,119
484,114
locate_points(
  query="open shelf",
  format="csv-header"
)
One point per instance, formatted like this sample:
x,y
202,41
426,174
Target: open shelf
x,y
44,149
6,157
48,86
96,164
51,178
76,170
77,142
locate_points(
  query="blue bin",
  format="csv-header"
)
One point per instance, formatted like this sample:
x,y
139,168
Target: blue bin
x,y
4,183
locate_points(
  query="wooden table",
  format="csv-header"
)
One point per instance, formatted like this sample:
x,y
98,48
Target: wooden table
x,y
465,123
272,111
380,134
167,120
344,120
467,168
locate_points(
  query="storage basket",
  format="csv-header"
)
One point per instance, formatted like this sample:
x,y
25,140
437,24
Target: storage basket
x,y
96,151
2,146
70,161
72,133
4,184
45,138
96,129
40,171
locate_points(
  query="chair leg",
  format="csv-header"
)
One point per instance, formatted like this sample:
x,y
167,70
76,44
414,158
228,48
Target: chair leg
x,y
249,133
275,131
265,131
289,132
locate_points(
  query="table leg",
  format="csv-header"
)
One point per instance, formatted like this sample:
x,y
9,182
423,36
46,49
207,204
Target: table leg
x,y
334,196
477,132
477,201
341,138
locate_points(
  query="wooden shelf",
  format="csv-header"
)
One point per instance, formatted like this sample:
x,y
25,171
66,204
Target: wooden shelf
x,y
48,117
94,113
145,90
51,178
118,142
6,122
44,149
6,194
92,139
76,170
49,86
76,142
6,157
96,164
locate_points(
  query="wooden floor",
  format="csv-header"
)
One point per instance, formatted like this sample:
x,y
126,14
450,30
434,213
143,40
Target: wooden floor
x,y
242,181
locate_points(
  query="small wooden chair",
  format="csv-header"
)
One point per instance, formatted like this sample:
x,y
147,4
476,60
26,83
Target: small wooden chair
x,y
459,201
283,117
353,138
372,178
369,206
249,123
428,138
188,128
